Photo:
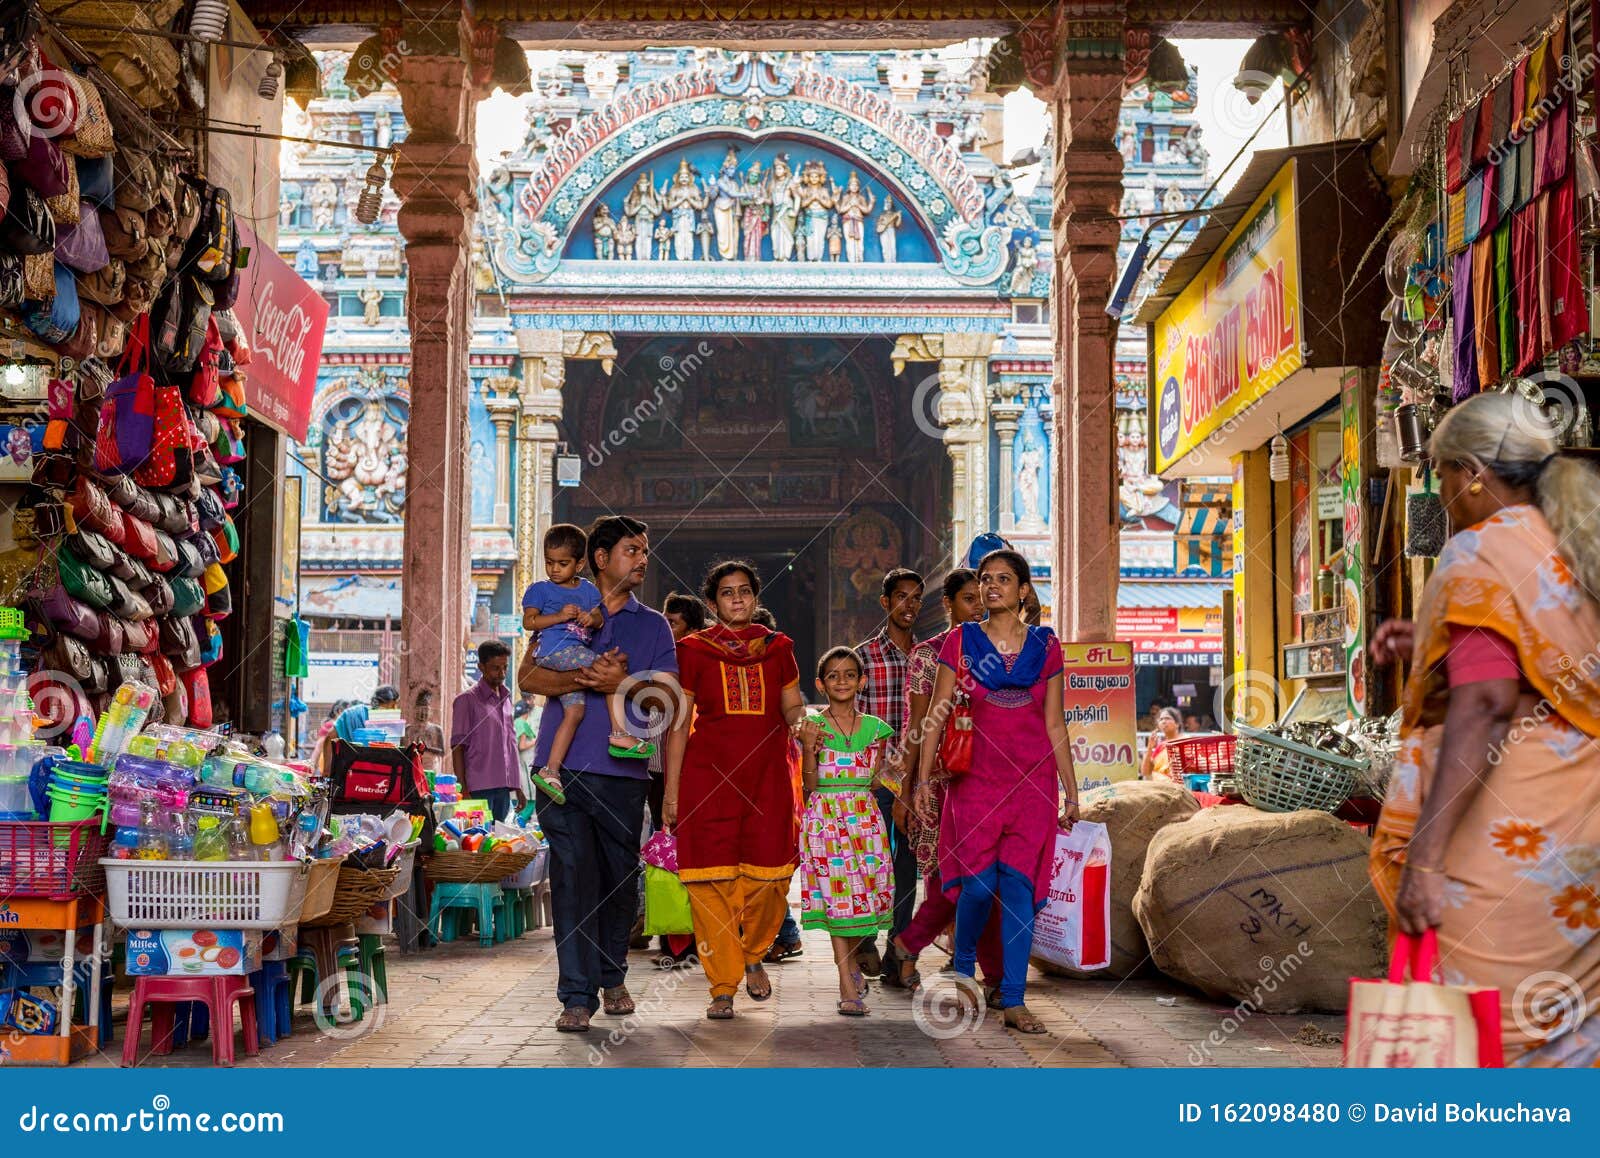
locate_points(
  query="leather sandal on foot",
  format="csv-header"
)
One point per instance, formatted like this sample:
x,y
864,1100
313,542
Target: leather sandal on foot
x,y
616,1001
720,1009
1018,1017
855,1007
781,951
751,974
869,959
573,1019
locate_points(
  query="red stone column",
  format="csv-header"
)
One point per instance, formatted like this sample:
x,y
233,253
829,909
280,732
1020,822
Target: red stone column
x,y
1088,189
436,178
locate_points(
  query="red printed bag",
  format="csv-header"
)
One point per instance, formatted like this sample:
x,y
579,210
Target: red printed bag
x,y
171,457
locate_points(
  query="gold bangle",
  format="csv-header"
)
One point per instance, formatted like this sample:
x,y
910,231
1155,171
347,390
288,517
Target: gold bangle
x,y
1422,868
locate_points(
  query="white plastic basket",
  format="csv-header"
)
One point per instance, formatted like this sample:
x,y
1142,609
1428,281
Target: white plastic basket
x,y
180,894
538,868
406,862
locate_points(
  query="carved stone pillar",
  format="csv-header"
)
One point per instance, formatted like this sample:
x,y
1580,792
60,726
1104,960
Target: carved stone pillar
x,y
436,177
1087,99
502,405
1005,413
544,373
963,406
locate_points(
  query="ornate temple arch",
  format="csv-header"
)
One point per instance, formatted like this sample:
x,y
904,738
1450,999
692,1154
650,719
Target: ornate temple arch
x,y
755,98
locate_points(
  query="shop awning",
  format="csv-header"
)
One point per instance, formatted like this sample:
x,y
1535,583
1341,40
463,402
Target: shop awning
x,y
1201,596
1204,540
1171,624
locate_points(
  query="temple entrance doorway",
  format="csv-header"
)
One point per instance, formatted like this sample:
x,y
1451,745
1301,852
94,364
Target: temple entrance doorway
x,y
799,453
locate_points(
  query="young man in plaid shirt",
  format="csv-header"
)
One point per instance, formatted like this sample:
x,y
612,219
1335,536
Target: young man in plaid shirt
x,y
883,658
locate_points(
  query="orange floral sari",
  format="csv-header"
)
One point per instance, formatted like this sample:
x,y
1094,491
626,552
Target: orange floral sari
x,y
1523,867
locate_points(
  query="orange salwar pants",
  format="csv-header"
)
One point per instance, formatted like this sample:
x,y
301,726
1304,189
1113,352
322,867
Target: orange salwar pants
x,y
735,922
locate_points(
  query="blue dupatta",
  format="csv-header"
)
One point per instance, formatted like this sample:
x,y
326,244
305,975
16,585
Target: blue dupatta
x,y
988,667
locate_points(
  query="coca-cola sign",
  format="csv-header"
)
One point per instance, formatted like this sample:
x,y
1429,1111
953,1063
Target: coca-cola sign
x,y
284,320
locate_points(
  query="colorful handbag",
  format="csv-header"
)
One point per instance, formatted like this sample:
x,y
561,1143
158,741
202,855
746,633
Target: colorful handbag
x,y
128,416
170,462
197,682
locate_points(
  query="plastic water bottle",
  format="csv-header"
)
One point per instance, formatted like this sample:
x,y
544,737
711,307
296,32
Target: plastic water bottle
x,y
152,840
210,840
239,846
180,842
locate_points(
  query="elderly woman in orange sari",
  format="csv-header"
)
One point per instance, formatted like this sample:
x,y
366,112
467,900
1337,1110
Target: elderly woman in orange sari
x,y
1491,830
728,794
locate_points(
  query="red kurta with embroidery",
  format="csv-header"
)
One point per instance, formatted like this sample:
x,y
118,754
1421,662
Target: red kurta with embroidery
x,y
736,814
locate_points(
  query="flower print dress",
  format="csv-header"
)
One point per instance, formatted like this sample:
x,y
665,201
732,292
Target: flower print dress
x,y
848,878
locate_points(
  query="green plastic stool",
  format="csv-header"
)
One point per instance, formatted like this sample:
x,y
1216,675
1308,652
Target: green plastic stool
x,y
350,961
303,966
518,908
372,964
449,899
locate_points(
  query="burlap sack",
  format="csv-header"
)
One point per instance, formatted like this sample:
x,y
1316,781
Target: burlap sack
x,y
1133,811
1271,909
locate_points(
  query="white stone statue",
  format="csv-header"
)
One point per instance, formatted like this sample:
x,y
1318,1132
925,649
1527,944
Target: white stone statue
x,y
1027,264
644,206
371,298
784,190
888,226
625,238
1030,465
725,208
682,199
853,203
706,233
323,199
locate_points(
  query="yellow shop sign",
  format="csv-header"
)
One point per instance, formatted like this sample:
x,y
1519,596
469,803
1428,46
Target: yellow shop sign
x,y
1235,331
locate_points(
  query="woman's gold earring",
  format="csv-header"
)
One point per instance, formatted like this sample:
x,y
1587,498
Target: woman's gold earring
x,y
1475,488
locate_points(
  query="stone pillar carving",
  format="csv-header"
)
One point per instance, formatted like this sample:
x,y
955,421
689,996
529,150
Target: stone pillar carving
x,y
501,402
1088,190
962,415
1005,412
436,179
544,372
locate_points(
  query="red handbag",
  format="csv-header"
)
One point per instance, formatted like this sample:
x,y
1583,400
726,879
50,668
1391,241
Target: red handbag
x,y
140,537
171,457
955,742
198,684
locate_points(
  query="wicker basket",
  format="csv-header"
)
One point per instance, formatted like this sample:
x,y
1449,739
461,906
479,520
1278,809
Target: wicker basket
x,y
473,868
1278,775
321,884
358,890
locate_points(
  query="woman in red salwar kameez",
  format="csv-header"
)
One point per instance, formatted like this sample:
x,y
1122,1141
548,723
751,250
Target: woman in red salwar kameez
x,y
729,798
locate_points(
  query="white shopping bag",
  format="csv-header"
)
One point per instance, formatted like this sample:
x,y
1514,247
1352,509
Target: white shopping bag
x,y
1073,928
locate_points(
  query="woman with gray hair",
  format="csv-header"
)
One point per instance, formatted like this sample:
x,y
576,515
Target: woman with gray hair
x,y
1490,834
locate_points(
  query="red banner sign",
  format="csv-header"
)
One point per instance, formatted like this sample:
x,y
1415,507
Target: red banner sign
x,y
284,320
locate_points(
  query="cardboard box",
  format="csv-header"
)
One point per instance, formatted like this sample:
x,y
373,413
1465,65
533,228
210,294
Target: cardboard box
x,y
193,952
33,946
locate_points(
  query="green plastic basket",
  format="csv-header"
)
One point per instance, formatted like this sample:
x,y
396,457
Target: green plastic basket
x,y
1278,775
12,623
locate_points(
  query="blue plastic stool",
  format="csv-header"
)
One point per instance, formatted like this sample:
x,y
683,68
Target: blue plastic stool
x,y
449,899
47,974
274,1016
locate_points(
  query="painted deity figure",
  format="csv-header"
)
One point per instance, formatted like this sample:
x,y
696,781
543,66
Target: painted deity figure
x,y
1030,465
605,232
854,203
663,239
625,238
783,191
323,198
888,226
682,199
835,238
757,211
371,299
1026,265
365,459
644,206
725,209
816,202
707,233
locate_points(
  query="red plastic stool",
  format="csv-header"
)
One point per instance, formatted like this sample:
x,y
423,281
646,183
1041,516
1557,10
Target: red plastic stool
x,y
217,994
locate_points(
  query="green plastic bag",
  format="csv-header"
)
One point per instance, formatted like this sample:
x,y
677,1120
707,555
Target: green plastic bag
x,y
666,903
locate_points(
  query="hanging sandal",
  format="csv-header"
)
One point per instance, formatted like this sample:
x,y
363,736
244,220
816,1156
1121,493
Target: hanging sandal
x,y
550,789
751,973
1018,1017
720,1009
640,750
854,1007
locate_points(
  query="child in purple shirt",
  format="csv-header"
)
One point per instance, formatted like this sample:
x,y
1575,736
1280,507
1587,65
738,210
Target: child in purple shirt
x,y
565,610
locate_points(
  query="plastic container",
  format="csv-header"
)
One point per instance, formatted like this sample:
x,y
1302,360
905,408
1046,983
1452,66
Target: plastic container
x,y
1196,755
42,859
155,894
14,793
1279,775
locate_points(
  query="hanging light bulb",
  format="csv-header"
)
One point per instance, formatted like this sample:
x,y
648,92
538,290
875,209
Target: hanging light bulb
x,y
267,90
1278,461
209,20
371,199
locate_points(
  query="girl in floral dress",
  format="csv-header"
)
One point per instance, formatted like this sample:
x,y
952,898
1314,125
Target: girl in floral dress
x,y
844,851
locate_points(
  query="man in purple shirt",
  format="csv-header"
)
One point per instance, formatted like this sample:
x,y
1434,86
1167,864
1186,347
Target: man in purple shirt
x,y
594,833
483,740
